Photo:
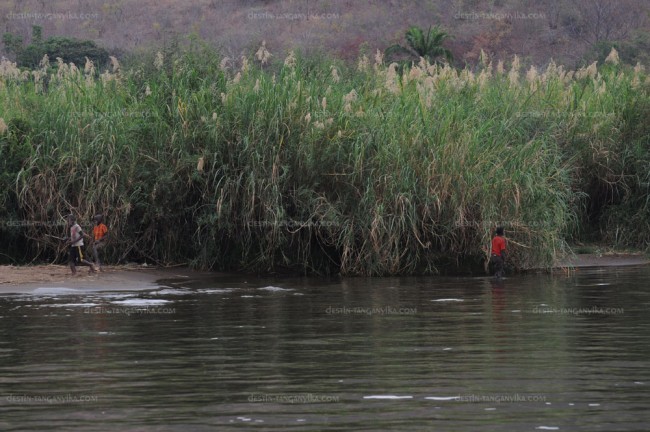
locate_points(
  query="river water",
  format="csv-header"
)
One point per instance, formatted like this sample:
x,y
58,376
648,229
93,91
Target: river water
x,y
564,352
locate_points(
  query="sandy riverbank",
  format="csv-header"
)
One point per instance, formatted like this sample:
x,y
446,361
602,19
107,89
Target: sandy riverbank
x,y
115,278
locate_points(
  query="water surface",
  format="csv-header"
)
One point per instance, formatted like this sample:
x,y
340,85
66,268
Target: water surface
x,y
536,352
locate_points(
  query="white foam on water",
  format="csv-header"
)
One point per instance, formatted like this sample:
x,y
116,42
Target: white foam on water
x,y
216,290
516,311
594,404
571,404
72,305
447,349
275,289
442,398
170,291
300,420
56,291
547,428
490,409
118,295
448,300
388,397
638,382
141,302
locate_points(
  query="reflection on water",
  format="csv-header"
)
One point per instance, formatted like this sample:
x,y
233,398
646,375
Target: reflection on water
x,y
535,352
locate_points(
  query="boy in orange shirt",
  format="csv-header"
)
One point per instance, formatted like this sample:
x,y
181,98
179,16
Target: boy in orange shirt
x,y
498,253
100,234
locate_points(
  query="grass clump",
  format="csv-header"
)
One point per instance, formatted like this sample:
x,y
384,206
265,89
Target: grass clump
x,y
262,163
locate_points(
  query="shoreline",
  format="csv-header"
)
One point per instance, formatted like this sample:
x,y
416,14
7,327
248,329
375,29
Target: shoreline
x,y
610,259
27,278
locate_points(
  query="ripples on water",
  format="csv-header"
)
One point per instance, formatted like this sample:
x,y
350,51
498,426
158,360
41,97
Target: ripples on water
x,y
536,352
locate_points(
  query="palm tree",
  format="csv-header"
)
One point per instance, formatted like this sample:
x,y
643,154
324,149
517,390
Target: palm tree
x,y
421,44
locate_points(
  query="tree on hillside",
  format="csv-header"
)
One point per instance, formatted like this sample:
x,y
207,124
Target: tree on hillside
x,y
609,20
422,44
69,49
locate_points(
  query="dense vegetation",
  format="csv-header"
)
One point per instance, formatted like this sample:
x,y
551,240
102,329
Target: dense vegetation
x,y
70,50
266,163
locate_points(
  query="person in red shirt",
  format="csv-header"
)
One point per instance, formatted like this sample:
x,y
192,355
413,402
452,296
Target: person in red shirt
x,y
100,234
498,253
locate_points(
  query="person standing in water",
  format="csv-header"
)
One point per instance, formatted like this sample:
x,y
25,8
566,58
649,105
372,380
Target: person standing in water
x,y
100,234
75,243
498,253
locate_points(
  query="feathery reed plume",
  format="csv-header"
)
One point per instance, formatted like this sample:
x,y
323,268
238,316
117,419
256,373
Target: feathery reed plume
x,y
290,61
263,55
362,64
612,57
45,62
9,70
244,64
379,59
392,78
223,65
484,59
335,74
115,64
501,68
89,67
159,61
513,75
3,126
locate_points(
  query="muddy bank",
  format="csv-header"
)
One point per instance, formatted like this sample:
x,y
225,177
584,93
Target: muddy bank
x,y
24,279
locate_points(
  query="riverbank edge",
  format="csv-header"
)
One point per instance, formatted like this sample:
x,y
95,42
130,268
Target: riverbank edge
x,y
27,278
24,279
607,259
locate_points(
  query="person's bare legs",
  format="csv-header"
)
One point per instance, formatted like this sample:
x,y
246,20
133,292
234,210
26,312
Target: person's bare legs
x,y
89,264
96,248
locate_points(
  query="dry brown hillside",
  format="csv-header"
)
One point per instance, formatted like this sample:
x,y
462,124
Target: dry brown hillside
x,y
535,29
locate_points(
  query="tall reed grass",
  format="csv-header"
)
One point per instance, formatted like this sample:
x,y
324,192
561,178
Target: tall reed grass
x,y
264,164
